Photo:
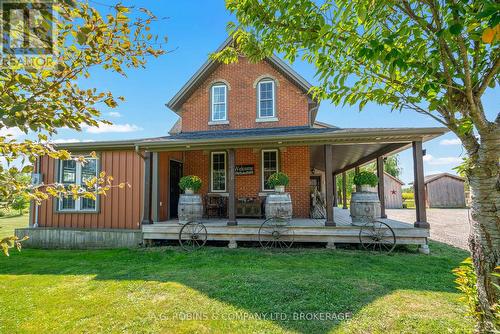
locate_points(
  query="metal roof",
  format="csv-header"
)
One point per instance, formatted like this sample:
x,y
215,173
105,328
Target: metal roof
x,y
300,135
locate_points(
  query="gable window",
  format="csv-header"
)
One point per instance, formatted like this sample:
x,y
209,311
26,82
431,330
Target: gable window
x,y
266,99
72,172
218,171
219,103
269,167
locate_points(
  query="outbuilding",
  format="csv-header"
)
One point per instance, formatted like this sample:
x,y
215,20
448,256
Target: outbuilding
x,y
392,192
393,197
444,190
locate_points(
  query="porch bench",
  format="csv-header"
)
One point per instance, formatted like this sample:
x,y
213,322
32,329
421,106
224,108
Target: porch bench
x,y
249,207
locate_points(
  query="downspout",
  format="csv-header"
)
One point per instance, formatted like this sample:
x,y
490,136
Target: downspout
x,y
138,152
37,207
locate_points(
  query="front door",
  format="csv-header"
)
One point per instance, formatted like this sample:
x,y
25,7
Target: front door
x,y
174,192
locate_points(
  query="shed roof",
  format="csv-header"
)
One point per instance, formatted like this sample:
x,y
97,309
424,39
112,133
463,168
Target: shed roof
x,y
394,178
434,177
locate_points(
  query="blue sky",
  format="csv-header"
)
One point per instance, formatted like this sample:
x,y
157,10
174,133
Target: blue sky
x,y
196,28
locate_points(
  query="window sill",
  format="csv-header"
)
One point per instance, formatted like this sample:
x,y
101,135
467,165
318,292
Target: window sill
x,y
77,211
222,194
265,193
218,122
266,119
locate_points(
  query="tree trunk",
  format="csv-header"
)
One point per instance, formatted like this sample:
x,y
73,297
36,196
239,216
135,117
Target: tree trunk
x,y
484,238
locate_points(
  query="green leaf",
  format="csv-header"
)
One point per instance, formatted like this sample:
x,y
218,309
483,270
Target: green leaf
x,y
456,28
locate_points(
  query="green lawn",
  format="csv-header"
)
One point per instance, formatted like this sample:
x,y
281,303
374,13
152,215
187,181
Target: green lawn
x,y
156,290
9,224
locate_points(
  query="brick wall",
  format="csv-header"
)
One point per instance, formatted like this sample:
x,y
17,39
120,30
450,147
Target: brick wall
x,y
291,102
294,161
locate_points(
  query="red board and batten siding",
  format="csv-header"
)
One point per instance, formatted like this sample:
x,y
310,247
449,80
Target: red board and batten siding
x,y
119,209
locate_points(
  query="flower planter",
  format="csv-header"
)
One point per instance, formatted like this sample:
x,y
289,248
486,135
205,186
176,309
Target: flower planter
x,y
279,189
189,191
365,206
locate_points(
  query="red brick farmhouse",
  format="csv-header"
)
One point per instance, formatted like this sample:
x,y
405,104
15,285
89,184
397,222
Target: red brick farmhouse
x,y
256,118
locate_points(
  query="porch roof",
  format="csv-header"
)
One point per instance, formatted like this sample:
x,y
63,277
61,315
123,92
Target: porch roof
x,y
352,146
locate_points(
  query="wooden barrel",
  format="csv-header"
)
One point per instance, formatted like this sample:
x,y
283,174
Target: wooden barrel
x,y
190,208
365,207
279,205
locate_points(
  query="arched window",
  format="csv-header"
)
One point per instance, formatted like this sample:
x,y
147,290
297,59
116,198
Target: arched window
x,y
266,98
219,102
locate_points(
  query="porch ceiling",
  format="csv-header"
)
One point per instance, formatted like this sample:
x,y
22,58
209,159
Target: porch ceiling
x,y
346,157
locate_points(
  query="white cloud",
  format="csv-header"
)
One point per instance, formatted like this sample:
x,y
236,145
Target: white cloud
x,y
12,133
431,160
114,114
448,142
111,128
70,140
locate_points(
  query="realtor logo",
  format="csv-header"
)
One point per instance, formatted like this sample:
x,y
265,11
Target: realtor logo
x,y
28,32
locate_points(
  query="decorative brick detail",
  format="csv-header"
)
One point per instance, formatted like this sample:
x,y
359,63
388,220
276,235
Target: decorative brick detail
x,y
265,76
218,81
291,103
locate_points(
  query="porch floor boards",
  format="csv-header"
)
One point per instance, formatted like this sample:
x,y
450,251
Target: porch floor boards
x,y
305,230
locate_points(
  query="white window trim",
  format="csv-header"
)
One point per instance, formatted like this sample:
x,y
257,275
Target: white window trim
x,y
78,181
262,167
259,116
212,103
212,172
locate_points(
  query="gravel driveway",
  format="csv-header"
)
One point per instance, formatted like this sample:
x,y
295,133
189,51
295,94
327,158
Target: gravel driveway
x,y
450,226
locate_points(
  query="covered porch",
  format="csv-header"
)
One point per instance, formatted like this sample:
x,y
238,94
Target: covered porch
x,y
331,152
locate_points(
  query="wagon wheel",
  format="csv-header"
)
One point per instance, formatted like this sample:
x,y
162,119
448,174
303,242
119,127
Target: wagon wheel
x,y
193,236
377,236
276,233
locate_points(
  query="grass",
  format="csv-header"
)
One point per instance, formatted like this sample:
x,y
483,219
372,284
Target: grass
x,y
9,223
216,290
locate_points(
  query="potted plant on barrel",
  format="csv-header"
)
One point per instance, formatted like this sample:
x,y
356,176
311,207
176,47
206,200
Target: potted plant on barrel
x,y
278,181
190,207
365,180
365,204
278,203
190,184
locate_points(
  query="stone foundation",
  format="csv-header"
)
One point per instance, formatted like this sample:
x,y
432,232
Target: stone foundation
x,y
79,238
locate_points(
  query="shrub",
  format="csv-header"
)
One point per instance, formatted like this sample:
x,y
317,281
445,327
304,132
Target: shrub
x,y
190,182
466,282
408,196
278,179
365,178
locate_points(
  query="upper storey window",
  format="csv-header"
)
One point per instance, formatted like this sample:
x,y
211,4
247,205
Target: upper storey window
x,y
219,102
266,103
